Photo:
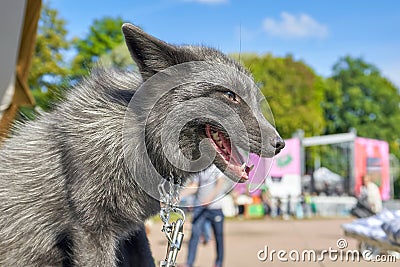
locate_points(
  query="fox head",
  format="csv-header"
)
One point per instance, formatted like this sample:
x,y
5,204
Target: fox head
x,y
199,107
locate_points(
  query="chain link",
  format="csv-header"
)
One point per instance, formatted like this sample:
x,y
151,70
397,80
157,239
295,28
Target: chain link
x,y
169,199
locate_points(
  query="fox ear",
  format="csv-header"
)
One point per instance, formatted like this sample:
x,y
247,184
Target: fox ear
x,y
150,54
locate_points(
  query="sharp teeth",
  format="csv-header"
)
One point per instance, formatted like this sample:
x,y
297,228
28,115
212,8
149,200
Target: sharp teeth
x,y
251,167
219,143
243,167
215,136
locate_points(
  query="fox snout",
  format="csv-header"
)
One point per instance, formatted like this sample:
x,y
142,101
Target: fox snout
x,y
272,146
278,144
271,142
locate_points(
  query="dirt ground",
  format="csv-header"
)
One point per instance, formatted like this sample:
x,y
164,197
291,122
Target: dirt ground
x,y
245,238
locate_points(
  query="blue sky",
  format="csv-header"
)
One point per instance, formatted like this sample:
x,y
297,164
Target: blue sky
x,y
317,32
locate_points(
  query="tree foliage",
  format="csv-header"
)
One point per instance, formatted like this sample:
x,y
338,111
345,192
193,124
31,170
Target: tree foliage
x,y
119,58
294,92
48,70
360,97
104,35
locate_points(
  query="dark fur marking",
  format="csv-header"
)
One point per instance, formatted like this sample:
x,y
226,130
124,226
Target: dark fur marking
x,y
120,96
64,244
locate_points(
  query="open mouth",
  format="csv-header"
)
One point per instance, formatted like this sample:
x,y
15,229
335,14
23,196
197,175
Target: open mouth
x,y
225,149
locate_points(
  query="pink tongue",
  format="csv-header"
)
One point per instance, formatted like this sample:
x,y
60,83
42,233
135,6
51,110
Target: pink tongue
x,y
261,168
259,171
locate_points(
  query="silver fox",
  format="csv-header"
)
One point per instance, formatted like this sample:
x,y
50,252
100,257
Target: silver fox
x,y
68,196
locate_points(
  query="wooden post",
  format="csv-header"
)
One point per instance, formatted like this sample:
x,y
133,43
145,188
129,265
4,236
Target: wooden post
x,y
22,95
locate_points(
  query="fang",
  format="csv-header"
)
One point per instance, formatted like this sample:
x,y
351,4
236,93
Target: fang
x,y
215,136
243,167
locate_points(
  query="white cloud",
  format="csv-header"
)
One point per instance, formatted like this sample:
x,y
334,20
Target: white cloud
x,y
208,1
292,26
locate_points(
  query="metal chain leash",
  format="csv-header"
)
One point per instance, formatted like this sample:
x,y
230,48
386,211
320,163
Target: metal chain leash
x,y
169,199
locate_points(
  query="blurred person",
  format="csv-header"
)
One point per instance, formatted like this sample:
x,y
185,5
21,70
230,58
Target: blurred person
x,y
241,199
307,205
208,188
300,207
266,199
313,204
370,191
369,201
278,207
289,205
206,233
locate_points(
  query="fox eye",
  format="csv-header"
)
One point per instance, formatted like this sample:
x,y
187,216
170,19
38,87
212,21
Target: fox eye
x,y
231,96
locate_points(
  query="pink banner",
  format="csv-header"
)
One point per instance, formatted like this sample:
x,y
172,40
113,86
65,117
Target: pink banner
x,y
372,157
288,161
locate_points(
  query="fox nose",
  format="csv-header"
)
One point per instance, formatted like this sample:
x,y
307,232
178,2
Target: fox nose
x,y
278,143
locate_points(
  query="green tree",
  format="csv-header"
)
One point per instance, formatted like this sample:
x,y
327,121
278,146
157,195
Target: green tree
x,y
104,35
48,69
359,97
119,58
294,92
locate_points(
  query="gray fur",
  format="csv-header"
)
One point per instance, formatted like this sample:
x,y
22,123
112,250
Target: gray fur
x,y
64,176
